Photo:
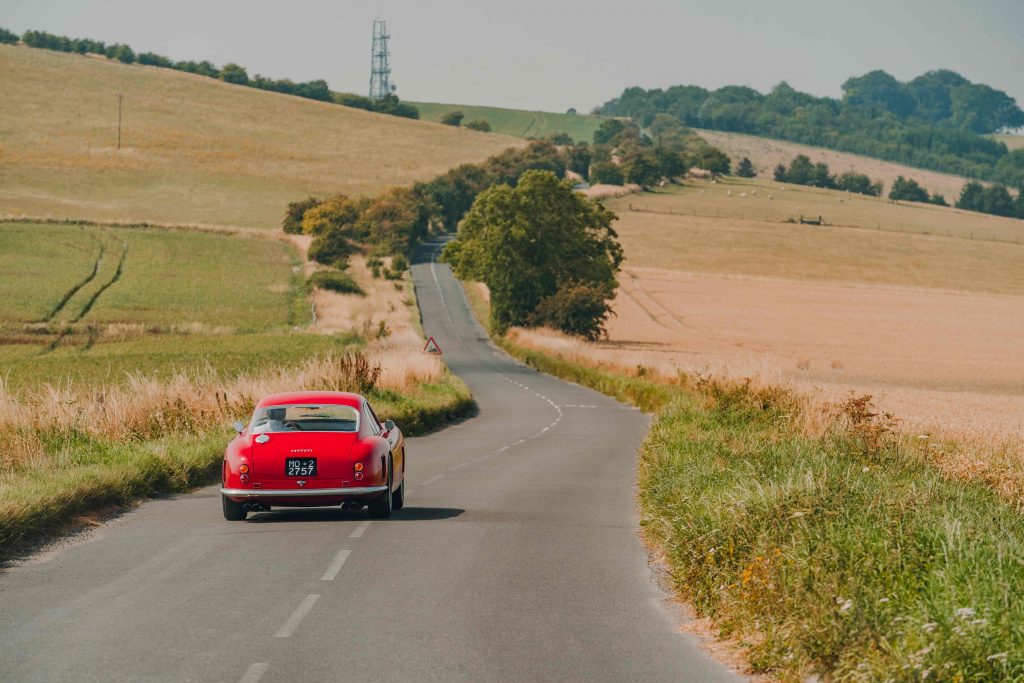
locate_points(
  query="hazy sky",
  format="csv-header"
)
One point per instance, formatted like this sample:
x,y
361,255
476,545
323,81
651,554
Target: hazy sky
x,y
553,55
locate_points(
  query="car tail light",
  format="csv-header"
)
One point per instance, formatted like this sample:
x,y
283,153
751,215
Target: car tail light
x,y
359,475
359,467
243,468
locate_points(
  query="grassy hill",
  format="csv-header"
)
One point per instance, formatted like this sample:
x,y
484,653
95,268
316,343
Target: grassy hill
x,y
195,150
518,122
765,153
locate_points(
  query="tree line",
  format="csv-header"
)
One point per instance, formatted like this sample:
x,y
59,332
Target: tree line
x,y
229,73
938,120
802,171
569,285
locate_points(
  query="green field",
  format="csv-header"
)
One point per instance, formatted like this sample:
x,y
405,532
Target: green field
x,y
90,304
518,122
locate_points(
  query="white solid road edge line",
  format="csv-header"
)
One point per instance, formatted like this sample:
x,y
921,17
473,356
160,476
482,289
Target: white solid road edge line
x,y
297,616
358,531
335,567
254,673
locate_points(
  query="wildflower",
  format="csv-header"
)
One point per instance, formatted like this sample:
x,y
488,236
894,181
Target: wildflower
x,y
998,657
923,437
844,605
883,600
979,622
965,613
929,627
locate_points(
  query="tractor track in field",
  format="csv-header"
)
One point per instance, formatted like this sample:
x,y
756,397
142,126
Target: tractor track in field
x,y
117,276
75,288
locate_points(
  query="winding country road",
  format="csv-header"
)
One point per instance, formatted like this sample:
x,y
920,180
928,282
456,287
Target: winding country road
x,y
516,558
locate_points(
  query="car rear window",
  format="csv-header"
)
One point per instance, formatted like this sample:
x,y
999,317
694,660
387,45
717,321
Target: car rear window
x,y
305,418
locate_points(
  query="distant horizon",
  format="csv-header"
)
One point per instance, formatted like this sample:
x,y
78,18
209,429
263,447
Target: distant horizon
x,y
451,51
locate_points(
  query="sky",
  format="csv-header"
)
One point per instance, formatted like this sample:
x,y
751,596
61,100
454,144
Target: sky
x,y
548,55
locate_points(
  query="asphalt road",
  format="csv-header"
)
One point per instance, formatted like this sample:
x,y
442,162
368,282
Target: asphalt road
x,y
516,558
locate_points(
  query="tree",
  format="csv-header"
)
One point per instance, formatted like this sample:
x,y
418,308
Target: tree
x,y
11,38
571,111
971,196
608,129
479,124
879,89
859,183
1010,169
714,160
779,172
233,73
534,241
672,164
907,189
121,53
453,118
746,169
576,308
578,159
606,173
641,168
998,202
801,171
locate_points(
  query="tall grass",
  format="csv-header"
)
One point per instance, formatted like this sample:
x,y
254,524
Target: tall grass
x,y
825,542
69,450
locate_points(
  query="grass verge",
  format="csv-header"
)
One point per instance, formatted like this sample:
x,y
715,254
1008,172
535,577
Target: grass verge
x,y
843,554
76,472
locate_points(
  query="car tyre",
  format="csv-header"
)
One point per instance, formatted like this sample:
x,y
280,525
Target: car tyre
x,y
398,500
233,512
381,507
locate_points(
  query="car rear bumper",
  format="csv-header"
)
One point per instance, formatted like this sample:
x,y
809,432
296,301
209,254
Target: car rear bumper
x,y
345,492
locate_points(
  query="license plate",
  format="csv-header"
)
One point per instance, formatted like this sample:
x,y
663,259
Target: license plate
x,y
300,467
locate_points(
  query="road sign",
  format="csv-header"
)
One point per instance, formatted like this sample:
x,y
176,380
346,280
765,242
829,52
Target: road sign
x,y
432,347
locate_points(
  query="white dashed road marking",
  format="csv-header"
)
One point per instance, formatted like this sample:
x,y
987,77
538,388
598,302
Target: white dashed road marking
x,y
359,530
254,673
335,567
297,616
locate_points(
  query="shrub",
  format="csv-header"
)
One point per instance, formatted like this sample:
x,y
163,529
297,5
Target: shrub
x,y
577,309
606,173
8,36
907,189
333,280
479,124
746,169
233,73
292,223
453,118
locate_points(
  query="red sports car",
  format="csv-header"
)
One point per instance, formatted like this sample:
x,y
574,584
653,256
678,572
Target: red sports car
x,y
312,449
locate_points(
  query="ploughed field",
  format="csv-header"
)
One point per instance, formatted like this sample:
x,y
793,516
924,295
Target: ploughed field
x,y
91,304
907,306
194,149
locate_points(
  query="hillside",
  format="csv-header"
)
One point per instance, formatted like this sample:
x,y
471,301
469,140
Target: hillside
x,y
518,122
766,153
195,150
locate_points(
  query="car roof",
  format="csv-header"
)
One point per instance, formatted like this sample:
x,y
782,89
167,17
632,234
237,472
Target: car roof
x,y
302,397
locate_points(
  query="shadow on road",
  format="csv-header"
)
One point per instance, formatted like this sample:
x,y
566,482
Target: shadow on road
x,y
407,514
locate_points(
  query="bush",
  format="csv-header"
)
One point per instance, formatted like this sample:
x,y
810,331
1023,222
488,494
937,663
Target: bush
x,y
907,189
8,36
453,118
576,309
233,73
479,124
606,173
333,280
292,223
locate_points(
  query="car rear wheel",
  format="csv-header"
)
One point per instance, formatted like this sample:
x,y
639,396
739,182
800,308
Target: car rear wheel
x,y
382,506
233,512
398,500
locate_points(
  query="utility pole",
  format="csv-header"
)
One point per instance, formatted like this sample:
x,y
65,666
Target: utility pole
x,y
120,100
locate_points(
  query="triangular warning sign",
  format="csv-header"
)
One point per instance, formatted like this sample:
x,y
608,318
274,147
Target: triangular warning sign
x,y
432,347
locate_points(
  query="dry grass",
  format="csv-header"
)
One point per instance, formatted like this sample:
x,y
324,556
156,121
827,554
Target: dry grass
x,y
969,436
196,150
766,153
704,228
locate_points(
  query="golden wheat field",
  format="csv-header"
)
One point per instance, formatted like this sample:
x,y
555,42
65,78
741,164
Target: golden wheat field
x,y
766,153
932,325
194,149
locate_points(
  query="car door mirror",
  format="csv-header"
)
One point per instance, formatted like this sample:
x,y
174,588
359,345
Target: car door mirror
x,y
389,425
239,426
